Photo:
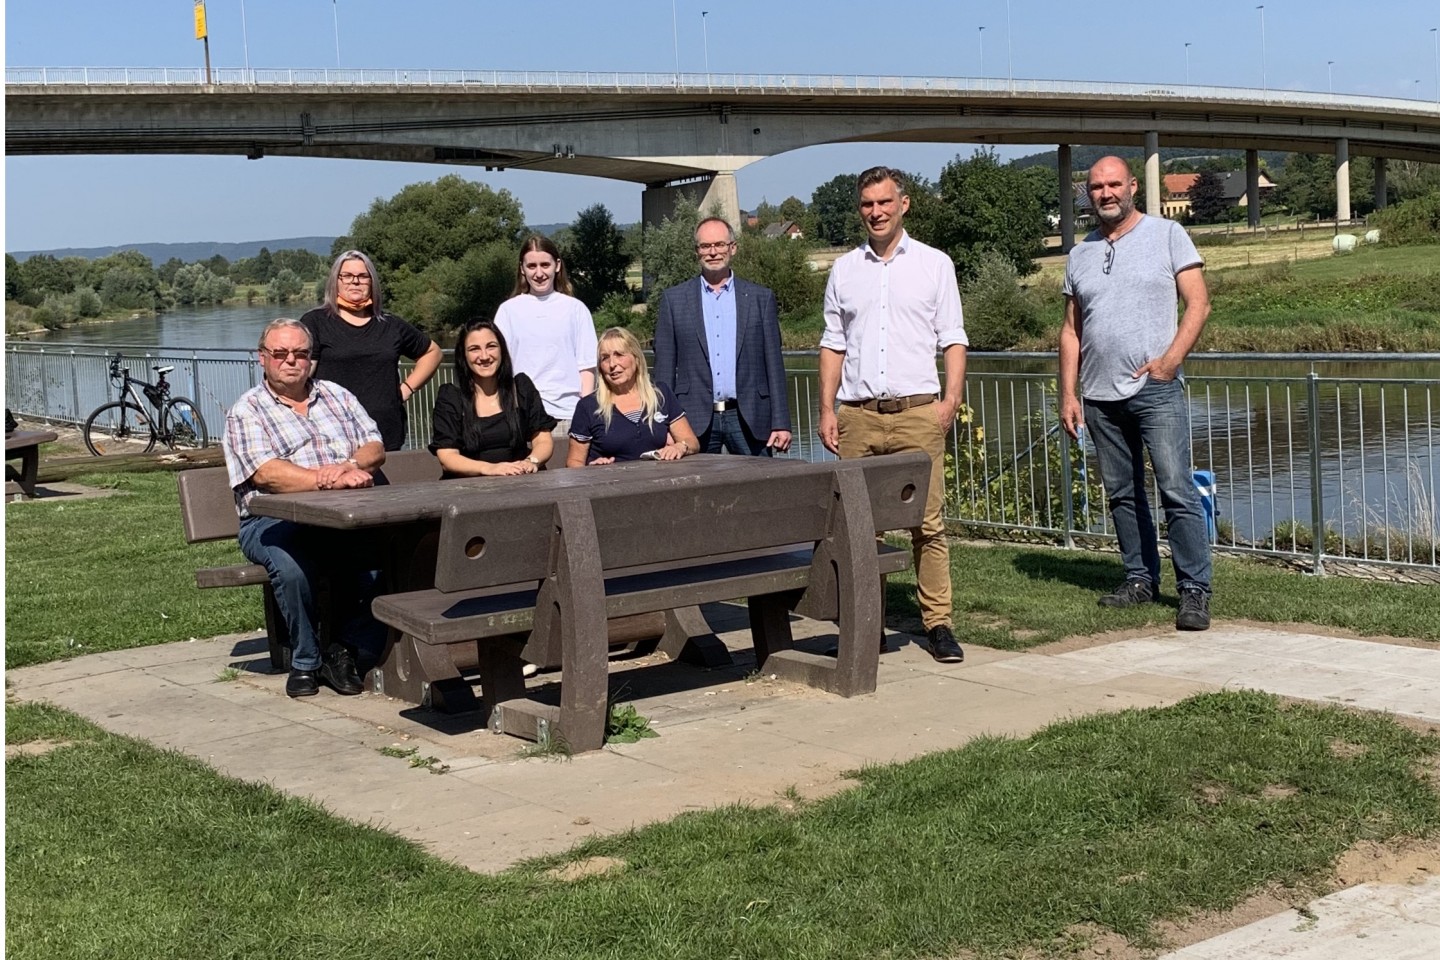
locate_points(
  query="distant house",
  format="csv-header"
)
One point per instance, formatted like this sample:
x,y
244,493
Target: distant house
x,y
749,218
1178,185
785,228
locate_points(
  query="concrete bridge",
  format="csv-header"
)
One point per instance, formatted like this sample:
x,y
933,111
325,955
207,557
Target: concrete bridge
x,y
679,134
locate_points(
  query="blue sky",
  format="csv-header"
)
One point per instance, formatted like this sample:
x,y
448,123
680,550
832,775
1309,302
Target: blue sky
x,y
1379,48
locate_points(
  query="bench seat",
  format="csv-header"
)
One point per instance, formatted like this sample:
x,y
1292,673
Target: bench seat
x,y
239,575
434,617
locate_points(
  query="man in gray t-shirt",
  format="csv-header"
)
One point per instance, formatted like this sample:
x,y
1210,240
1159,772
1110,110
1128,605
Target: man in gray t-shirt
x,y
1121,350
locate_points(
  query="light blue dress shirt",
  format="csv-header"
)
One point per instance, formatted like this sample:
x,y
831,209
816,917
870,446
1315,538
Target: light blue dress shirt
x,y
719,309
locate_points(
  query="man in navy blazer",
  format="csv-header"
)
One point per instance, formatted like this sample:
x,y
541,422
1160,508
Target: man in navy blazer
x,y
717,345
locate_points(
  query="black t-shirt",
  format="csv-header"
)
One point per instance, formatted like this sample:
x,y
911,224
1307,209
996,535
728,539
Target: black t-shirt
x,y
456,426
365,360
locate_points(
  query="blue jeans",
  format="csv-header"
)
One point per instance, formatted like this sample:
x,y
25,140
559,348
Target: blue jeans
x,y
1155,419
728,432
296,556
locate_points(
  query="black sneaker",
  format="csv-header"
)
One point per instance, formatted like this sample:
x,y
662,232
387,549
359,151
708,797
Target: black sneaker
x,y
339,672
301,683
1131,593
943,645
1194,610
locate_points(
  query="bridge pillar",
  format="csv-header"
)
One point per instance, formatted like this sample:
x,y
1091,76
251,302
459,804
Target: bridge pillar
x,y
714,192
1252,186
1152,173
1067,199
1342,179
1380,189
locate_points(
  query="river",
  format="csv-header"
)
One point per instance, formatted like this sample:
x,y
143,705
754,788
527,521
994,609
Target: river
x,y
1374,420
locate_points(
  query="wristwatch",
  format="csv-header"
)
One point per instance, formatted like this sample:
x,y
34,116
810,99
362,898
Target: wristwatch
x,y
532,459
352,461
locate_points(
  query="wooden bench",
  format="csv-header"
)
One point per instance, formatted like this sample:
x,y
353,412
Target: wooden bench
x,y
24,445
207,512
529,574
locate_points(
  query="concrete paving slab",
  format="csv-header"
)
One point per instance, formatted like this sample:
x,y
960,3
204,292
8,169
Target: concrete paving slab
x,y
1393,921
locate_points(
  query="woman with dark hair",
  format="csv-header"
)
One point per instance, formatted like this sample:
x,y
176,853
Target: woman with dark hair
x,y
629,417
358,345
551,334
490,422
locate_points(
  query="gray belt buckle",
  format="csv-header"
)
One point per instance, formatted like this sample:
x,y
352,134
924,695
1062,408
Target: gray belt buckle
x,y
719,406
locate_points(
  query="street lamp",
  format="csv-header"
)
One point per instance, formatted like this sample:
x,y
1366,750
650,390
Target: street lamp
x,y
1187,64
1435,32
245,38
705,26
1330,74
982,51
335,9
1264,76
675,35
1009,53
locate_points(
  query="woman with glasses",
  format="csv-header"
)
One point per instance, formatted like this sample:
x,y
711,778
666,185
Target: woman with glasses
x,y
551,334
628,417
490,422
358,345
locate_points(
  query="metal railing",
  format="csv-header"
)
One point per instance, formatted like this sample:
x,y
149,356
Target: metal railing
x,y
597,81
1360,454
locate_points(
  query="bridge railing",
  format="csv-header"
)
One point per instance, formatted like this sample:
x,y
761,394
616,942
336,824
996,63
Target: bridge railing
x,y
1362,454
602,81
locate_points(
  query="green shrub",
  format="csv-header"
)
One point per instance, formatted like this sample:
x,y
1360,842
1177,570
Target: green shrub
x,y
998,311
1413,221
615,311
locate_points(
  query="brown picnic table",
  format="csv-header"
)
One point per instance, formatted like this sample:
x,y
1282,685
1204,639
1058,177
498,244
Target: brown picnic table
x,y
24,445
531,568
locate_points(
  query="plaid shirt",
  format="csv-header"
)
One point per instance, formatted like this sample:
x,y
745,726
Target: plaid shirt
x,y
260,428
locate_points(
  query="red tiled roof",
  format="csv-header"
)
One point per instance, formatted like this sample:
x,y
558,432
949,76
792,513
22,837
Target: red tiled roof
x,y
1180,183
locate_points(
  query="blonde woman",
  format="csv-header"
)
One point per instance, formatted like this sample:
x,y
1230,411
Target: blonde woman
x,y
627,417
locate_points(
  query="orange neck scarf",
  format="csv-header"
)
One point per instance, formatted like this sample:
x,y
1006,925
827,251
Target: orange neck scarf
x,y
353,306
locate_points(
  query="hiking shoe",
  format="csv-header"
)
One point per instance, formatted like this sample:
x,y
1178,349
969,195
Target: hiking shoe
x,y
1131,593
301,683
1194,610
943,645
339,672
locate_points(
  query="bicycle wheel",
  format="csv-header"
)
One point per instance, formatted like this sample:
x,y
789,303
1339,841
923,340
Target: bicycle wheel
x,y
184,429
119,427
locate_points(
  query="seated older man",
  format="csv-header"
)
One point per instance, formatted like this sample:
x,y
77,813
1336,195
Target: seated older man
x,y
293,433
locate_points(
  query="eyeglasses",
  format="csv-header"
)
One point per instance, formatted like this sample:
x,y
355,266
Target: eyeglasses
x,y
712,247
283,356
354,278
1109,258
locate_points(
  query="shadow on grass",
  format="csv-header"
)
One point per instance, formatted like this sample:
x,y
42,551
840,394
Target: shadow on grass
x,y
1084,570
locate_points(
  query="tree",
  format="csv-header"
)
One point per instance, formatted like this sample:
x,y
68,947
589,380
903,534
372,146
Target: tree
x,y
168,269
595,256
428,222
304,264
998,311
782,265
448,293
194,283
14,284
1307,186
218,265
1207,199
835,208
669,256
43,274
284,287
130,288
985,206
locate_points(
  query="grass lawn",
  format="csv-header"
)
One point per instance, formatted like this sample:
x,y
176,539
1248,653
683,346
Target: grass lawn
x,y
115,849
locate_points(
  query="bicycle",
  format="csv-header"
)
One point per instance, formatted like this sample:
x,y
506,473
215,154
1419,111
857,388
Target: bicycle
x,y
128,426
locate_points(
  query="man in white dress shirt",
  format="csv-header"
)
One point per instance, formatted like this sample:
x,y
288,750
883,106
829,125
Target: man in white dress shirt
x,y
888,305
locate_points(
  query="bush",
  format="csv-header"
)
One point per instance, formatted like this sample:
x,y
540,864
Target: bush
x,y
616,311
1413,221
782,265
998,311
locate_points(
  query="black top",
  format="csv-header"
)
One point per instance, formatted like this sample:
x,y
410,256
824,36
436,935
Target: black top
x,y
625,440
365,360
456,426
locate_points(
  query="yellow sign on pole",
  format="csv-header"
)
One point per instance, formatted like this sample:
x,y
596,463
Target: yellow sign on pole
x,y
200,33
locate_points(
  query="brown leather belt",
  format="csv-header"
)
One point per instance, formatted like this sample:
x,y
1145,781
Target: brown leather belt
x,y
892,404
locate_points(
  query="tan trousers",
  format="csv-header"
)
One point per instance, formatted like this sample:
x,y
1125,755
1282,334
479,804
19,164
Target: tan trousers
x,y
865,433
